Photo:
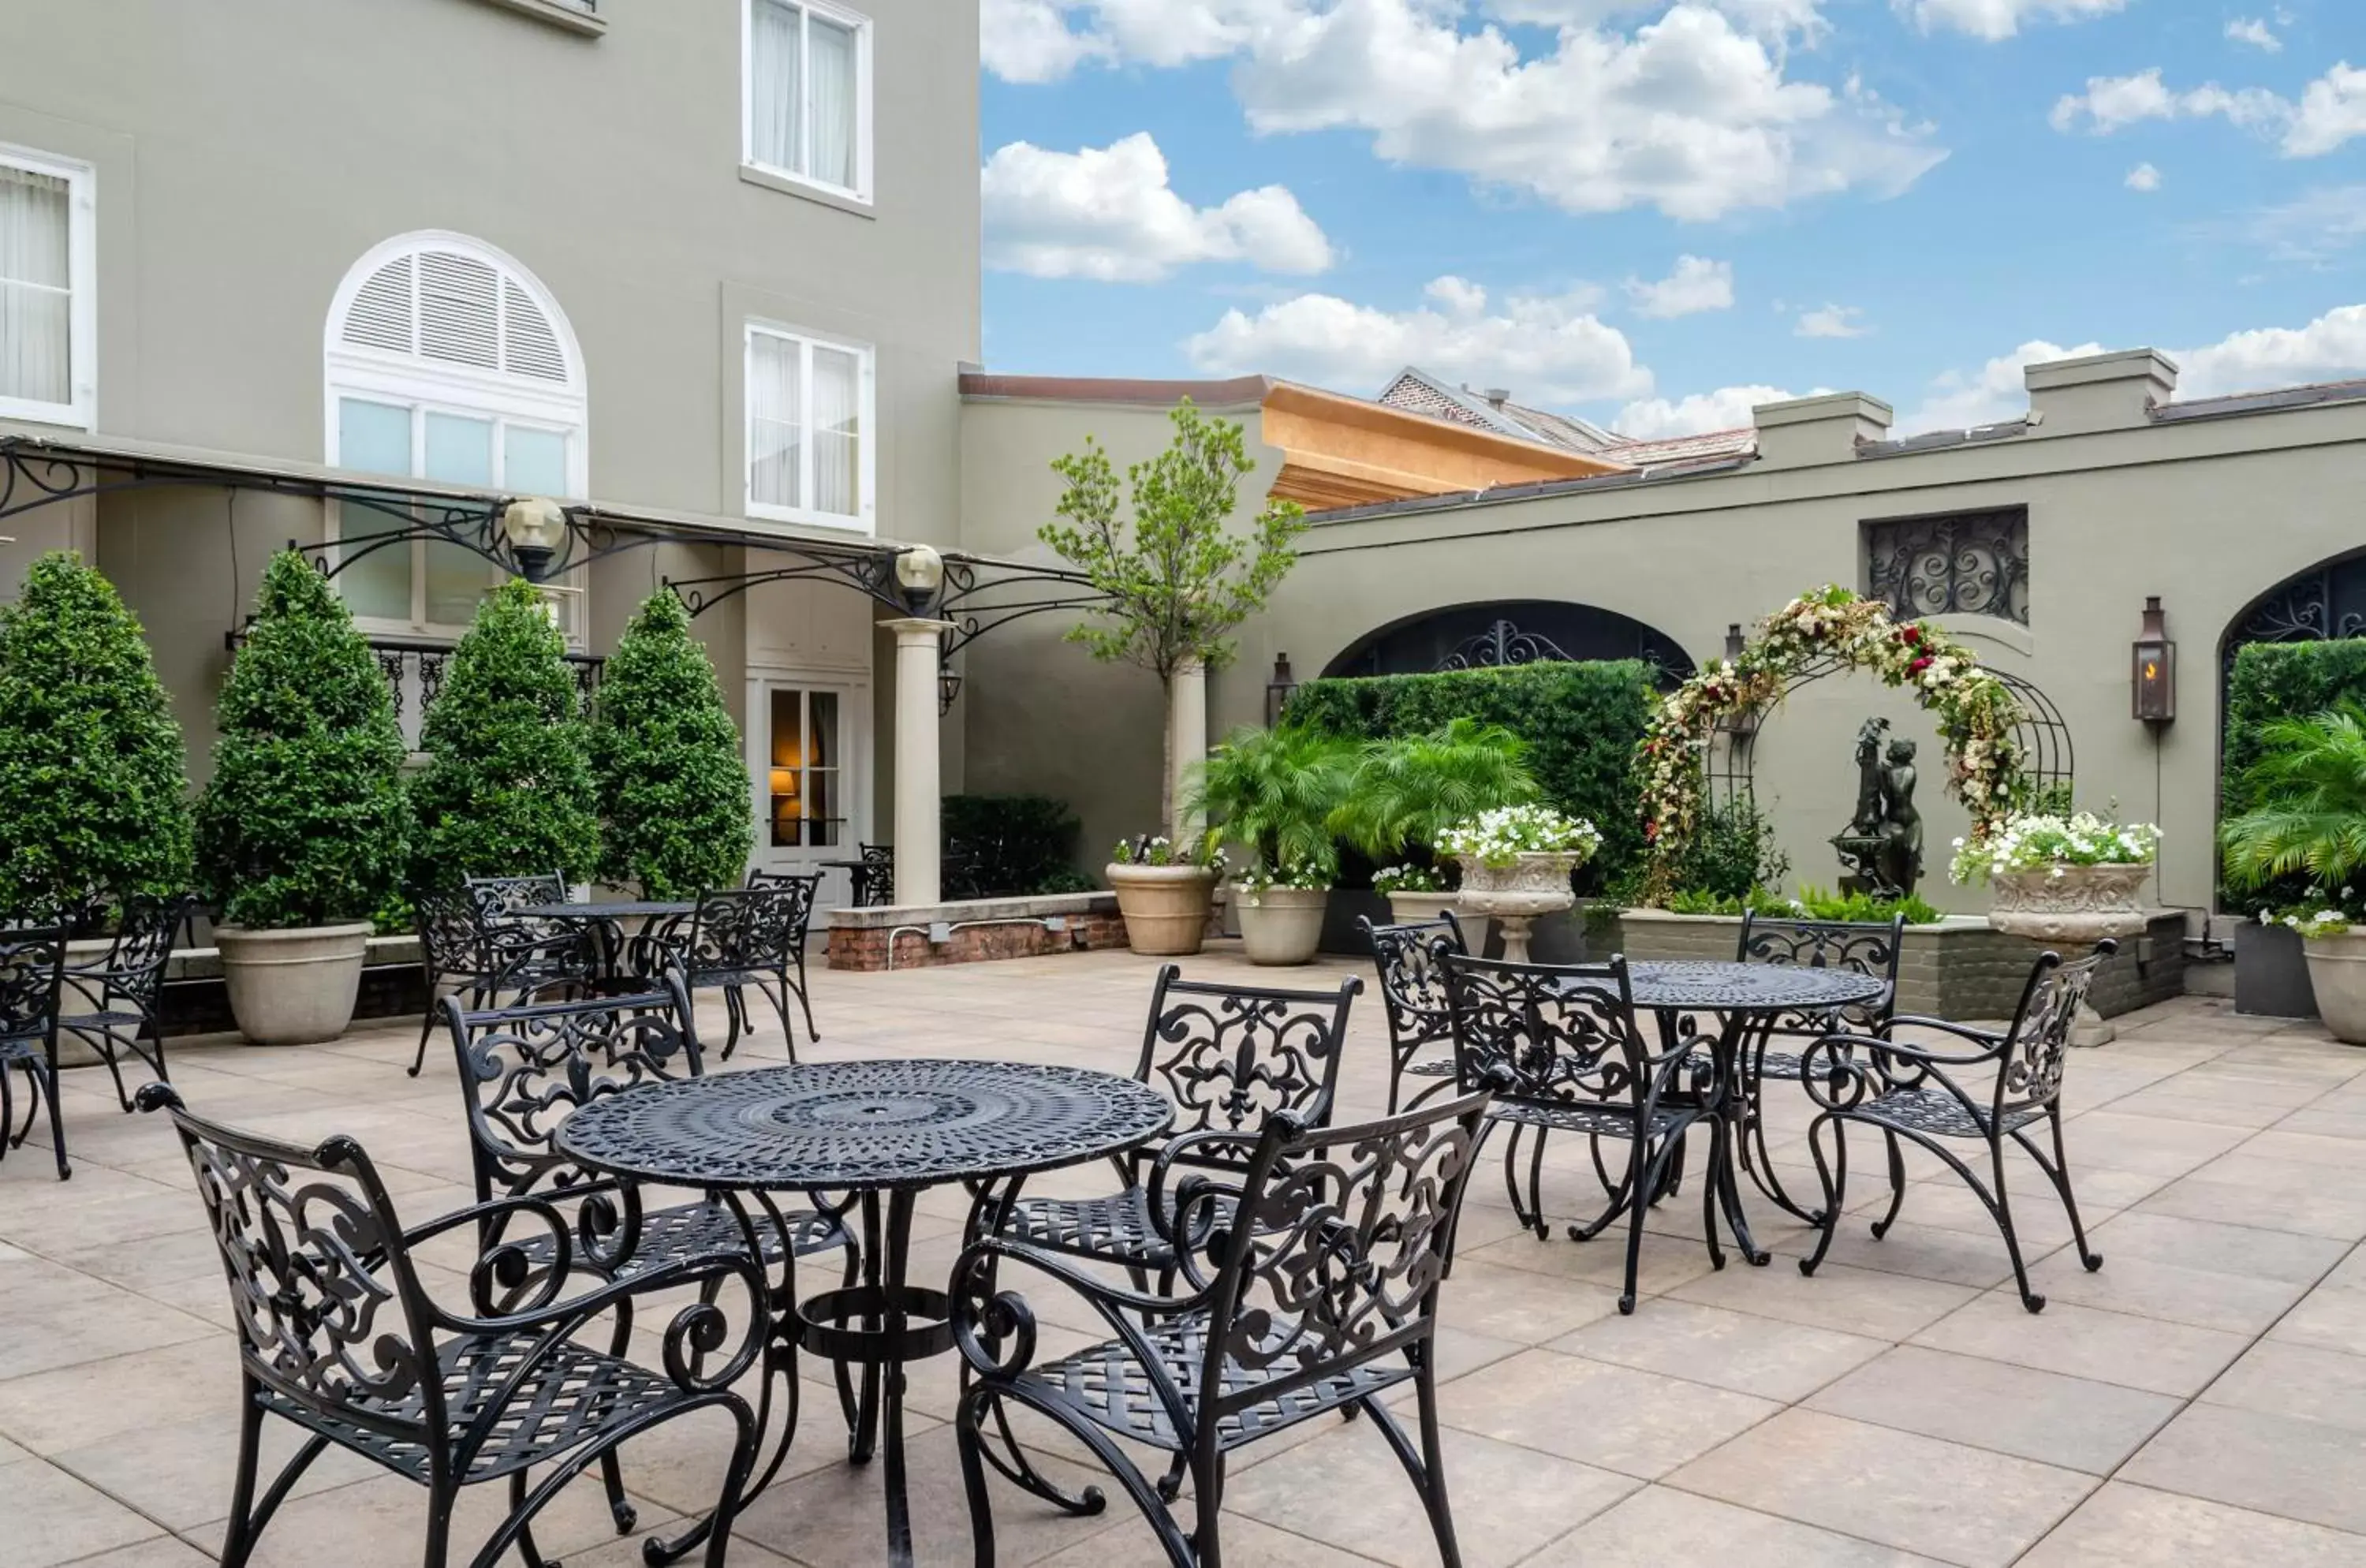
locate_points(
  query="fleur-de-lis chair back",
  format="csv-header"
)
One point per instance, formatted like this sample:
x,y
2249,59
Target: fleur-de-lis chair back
x,y
32,969
111,1002
1413,999
1230,1056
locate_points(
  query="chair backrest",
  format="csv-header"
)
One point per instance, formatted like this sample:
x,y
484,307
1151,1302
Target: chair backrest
x,y
451,934
752,927
1553,1035
1862,947
1231,1056
1335,1255
1412,991
523,1070
498,898
875,883
329,1309
2037,1046
133,969
32,967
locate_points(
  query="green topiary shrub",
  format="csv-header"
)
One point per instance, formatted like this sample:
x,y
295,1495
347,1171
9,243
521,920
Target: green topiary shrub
x,y
667,765
93,790
1582,722
2273,681
507,790
304,823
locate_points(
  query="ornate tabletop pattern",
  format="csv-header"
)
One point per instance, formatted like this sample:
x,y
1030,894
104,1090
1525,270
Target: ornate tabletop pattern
x,y
1747,987
863,1125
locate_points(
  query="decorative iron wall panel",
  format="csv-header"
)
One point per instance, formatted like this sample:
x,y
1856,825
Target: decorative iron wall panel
x,y
1968,563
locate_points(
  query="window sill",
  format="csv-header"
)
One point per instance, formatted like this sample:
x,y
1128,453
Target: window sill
x,y
789,185
560,14
64,416
790,516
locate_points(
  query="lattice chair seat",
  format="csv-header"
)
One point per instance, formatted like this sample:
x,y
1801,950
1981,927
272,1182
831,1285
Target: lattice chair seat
x,y
702,1229
1607,1122
1107,1385
1431,1067
1939,1114
573,1394
1117,1227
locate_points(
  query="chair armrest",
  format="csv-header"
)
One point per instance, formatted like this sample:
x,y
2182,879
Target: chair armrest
x,y
1990,1041
1194,1144
697,1331
503,1264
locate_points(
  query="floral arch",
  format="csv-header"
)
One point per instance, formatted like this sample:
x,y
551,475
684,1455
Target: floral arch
x,y
1976,712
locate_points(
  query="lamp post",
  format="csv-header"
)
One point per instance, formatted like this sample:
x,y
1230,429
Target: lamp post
x,y
1278,690
2152,669
920,699
533,528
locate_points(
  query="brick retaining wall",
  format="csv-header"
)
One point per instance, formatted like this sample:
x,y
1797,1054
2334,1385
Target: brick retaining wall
x,y
974,931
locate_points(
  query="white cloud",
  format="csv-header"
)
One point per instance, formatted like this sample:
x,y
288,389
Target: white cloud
x,y
2255,32
1696,285
1109,213
1693,112
2328,348
1727,408
2311,228
1831,321
2331,111
1028,41
1775,20
1550,348
2143,177
1994,20
1995,391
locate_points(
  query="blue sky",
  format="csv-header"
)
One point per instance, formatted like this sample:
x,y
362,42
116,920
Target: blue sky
x,y
1655,214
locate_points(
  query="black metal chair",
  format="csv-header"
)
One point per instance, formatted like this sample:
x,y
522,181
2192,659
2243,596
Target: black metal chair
x,y
736,939
806,885
1909,1090
1412,998
32,969
1318,1293
123,988
463,954
339,1337
1559,1045
873,881
1870,948
1229,1056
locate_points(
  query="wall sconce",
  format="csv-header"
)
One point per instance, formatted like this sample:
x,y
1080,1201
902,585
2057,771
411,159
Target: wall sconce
x,y
2152,669
948,685
1278,690
920,572
1741,726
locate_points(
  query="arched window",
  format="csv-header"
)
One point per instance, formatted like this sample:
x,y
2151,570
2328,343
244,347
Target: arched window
x,y
446,360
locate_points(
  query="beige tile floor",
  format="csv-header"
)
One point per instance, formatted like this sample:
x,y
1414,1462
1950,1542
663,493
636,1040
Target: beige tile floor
x,y
2202,1398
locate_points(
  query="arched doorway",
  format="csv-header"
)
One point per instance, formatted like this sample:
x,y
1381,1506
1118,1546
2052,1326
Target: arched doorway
x,y
1510,631
2326,601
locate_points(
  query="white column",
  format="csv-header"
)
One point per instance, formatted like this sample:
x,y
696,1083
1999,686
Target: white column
x,y
918,784
1186,742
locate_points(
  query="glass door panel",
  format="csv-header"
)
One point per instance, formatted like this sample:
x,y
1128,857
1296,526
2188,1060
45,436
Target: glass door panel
x,y
805,782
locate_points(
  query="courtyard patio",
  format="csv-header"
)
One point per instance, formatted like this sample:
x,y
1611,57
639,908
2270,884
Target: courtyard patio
x,y
2198,1398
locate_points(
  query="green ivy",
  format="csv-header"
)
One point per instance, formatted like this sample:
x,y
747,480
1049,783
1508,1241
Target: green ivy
x,y
2274,680
667,763
94,787
304,823
1582,722
507,789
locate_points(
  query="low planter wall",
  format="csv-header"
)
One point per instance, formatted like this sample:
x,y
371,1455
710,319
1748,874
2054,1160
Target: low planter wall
x,y
1588,934
1961,969
193,1001
973,930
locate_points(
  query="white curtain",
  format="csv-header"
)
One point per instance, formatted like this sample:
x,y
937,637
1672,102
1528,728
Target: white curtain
x,y
36,287
838,431
775,421
830,74
776,70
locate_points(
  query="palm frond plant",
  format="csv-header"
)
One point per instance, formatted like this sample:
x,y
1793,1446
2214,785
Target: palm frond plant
x,y
2310,785
1275,791
1405,792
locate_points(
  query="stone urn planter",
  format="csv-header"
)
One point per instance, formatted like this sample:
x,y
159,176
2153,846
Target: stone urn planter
x,y
1282,925
1165,907
1536,883
292,987
2336,972
1412,909
2075,906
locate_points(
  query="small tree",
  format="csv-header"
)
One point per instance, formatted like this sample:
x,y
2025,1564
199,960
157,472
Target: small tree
x,y
304,823
1177,580
666,763
507,789
93,790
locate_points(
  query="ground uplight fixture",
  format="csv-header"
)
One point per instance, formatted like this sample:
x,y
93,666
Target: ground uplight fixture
x,y
2152,668
535,527
920,572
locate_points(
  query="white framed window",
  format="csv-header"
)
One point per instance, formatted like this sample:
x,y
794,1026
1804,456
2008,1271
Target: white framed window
x,y
812,441
806,92
49,289
447,361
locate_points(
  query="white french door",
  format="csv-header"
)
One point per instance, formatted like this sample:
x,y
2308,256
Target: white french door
x,y
811,768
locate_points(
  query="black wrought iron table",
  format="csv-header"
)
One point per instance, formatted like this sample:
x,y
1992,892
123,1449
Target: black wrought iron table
x,y
882,1130
1745,998
608,918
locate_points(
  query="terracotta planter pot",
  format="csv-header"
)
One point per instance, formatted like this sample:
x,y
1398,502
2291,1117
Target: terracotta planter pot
x,y
2336,972
292,987
1165,907
1282,925
2071,903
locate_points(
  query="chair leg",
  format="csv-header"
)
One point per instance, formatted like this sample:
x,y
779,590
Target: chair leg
x,y
780,1010
1897,1186
731,1001
1833,1175
57,1112
531,1553
426,1027
970,1442
1537,1185
2003,1206
103,1041
804,1002
238,1536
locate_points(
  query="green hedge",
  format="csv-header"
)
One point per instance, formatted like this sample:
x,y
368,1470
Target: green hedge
x,y
1582,723
1002,845
2282,680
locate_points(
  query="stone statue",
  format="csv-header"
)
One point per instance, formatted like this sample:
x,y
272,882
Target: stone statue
x,y
1867,820
1881,849
1899,863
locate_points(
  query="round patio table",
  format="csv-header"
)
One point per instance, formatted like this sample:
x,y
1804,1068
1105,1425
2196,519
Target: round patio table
x,y
882,1131
1746,1000
609,918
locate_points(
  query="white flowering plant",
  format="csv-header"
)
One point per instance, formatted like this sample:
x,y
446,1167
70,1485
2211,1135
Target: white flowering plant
x,y
1500,837
2048,842
1300,876
2312,924
1408,879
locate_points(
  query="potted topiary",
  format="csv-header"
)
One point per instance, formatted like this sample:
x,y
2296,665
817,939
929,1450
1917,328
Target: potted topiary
x,y
301,831
1404,793
667,765
2309,784
1164,896
507,789
94,794
1274,790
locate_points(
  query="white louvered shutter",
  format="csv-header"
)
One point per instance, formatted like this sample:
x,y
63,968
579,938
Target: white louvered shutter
x,y
458,318
384,311
529,344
